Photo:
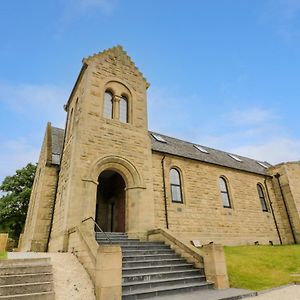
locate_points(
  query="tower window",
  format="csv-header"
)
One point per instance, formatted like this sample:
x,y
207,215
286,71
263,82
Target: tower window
x,y
262,198
224,192
124,109
175,182
108,105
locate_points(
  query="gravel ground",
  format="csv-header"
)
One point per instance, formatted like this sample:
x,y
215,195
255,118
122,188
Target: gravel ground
x,y
71,281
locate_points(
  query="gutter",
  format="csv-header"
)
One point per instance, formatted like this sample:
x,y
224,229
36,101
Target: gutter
x,y
164,188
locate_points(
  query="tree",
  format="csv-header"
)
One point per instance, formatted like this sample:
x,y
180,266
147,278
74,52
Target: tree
x,y
14,202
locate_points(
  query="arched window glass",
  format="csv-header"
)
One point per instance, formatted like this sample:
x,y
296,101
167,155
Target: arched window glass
x,y
262,198
175,183
124,109
224,192
108,105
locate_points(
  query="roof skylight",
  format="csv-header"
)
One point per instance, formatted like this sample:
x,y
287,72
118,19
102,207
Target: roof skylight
x,y
201,149
158,138
262,164
235,157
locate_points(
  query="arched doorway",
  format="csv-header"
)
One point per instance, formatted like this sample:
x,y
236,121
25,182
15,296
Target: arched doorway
x,y
110,207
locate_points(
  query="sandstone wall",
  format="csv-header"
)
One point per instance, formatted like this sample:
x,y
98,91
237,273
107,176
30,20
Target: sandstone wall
x,y
202,215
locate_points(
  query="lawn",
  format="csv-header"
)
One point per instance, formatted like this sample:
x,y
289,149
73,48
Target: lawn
x,y
3,255
262,267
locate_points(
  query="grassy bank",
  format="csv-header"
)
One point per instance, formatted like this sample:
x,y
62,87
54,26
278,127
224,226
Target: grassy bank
x,y
262,267
3,255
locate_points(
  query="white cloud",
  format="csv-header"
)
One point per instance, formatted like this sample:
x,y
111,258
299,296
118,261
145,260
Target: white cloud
x,y
15,154
274,150
35,101
252,116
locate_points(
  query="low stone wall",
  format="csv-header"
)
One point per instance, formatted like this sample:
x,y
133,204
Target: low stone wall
x,y
3,241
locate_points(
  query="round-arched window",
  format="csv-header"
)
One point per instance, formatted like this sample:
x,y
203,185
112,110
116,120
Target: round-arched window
x,y
124,109
108,105
224,192
175,183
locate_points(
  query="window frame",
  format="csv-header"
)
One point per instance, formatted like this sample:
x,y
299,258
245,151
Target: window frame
x,y
176,185
126,100
108,91
262,198
224,179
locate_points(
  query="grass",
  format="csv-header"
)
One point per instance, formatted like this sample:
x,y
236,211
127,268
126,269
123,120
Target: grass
x,y
262,267
3,255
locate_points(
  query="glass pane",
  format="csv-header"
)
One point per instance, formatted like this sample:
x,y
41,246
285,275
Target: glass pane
x,y
176,194
123,110
222,184
174,177
263,204
260,192
108,105
225,199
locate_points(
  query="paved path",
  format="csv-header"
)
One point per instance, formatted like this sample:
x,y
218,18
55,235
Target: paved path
x,y
206,295
291,292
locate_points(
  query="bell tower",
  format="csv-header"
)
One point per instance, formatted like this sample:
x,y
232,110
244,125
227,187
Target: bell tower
x,y
106,135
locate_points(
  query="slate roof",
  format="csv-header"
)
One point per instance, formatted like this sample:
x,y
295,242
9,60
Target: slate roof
x,y
57,139
186,149
179,148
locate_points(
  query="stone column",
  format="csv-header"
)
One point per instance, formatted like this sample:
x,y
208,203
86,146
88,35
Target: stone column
x,y
108,282
215,265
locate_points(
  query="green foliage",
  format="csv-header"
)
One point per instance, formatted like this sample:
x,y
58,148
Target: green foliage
x,y
14,202
262,267
3,255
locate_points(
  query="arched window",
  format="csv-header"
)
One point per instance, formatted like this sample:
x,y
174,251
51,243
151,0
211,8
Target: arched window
x,y
262,198
108,105
175,183
224,192
124,109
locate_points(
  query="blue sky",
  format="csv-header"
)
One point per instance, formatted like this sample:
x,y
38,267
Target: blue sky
x,y
223,73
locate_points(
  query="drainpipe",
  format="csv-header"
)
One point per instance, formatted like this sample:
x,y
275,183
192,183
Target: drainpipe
x,y
277,176
270,202
164,188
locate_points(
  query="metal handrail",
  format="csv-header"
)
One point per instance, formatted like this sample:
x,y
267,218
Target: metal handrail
x,y
97,227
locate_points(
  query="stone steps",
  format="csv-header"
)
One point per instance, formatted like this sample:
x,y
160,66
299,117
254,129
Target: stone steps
x,y
152,268
29,278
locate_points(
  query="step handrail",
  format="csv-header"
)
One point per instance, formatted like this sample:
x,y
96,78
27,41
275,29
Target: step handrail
x,y
100,229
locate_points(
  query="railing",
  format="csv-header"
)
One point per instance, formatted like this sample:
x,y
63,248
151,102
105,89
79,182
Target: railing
x,y
107,237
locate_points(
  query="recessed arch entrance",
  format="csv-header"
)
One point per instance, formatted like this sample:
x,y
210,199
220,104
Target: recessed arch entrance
x,y
110,204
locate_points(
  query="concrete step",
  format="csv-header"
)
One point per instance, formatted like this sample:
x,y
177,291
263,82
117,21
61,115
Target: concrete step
x,y
6,263
136,252
32,296
149,276
127,242
150,257
111,234
137,285
115,240
156,262
26,288
25,278
165,290
26,270
137,270
145,247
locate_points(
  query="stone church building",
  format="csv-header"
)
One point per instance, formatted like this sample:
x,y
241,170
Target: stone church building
x,y
107,165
